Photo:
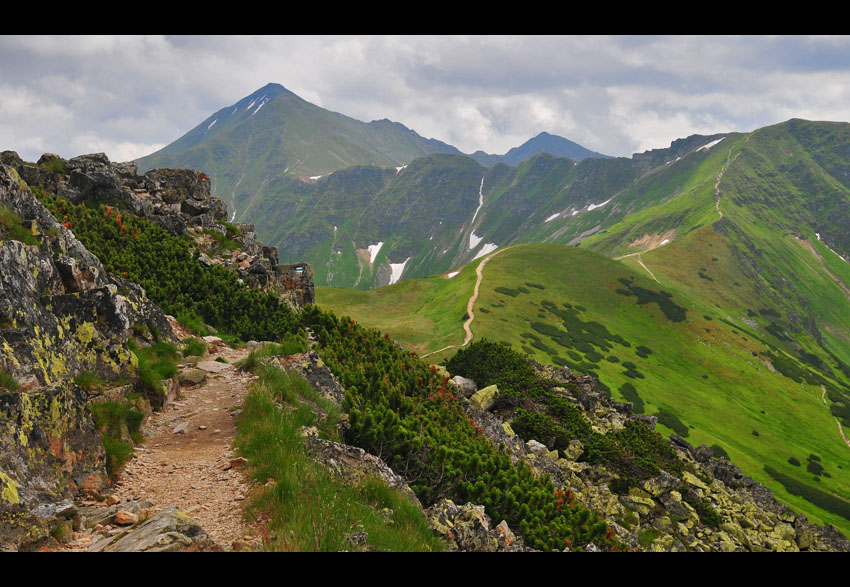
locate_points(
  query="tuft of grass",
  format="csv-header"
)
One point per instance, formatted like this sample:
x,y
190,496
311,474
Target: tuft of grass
x,y
291,345
56,166
7,382
119,423
90,382
194,347
12,228
156,363
194,324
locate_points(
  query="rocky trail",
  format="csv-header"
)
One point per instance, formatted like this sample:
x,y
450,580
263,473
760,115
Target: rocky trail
x,y
187,459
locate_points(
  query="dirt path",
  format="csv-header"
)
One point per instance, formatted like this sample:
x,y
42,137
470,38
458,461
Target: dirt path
x,y
187,454
479,272
640,262
840,428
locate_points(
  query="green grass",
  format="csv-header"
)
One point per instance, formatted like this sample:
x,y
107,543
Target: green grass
x,y
193,323
194,347
307,509
425,314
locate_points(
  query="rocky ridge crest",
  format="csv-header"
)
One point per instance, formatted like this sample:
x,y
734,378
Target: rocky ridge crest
x,y
657,516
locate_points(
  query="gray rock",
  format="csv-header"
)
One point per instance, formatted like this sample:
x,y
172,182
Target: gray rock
x,y
537,448
466,387
168,531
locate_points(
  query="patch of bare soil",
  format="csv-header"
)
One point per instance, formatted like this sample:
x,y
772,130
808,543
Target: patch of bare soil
x,y
650,241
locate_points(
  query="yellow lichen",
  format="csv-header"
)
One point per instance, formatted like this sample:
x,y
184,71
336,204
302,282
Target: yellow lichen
x,y
85,332
27,418
8,353
9,489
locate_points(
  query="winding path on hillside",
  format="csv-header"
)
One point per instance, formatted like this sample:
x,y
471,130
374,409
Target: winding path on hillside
x,y
479,272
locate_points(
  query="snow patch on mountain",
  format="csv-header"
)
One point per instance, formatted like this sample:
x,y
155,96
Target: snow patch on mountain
x,y
488,248
711,144
595,206
373,252
840,256
396,269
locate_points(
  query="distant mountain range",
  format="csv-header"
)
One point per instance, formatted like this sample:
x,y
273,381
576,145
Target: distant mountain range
x,y
272,135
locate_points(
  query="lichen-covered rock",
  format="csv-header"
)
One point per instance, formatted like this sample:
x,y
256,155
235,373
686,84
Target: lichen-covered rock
x,y
485,398
467,529
466,387
735,513
61,313
49,451
179,200
311,367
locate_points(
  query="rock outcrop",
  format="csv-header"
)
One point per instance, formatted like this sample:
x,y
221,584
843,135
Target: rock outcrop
x,y
61,315
179,200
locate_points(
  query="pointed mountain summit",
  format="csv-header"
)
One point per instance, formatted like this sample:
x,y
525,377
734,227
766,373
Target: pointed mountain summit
x,y
273,133
552,144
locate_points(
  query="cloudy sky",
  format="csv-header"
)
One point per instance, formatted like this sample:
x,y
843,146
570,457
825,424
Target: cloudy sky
x,y
128,96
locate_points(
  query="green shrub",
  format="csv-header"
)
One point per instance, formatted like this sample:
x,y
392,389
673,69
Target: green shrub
x,y
169,270
719,452
507,291
404,411
824,500
673,422
630,393
814,468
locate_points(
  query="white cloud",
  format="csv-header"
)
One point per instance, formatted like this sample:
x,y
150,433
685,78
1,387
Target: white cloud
x,y
616,95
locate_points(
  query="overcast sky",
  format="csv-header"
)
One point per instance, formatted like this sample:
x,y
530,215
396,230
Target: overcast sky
x,y
129,96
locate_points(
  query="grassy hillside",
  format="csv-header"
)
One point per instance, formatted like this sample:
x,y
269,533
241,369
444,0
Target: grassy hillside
x,y
707,375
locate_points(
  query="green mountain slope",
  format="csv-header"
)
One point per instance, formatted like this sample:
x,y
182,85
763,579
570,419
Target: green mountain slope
x,y
705,374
